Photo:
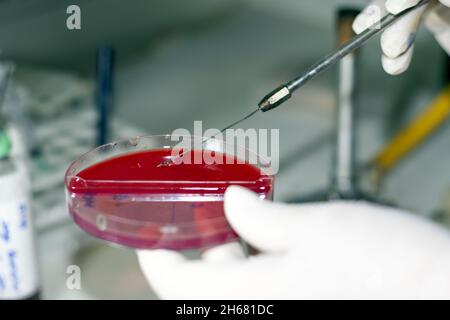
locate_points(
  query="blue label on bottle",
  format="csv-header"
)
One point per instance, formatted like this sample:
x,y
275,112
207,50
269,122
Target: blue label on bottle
x,y
4,231
23,212
2,284
18,274
13,269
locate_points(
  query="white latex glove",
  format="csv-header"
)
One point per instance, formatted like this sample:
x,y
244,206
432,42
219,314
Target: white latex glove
x,y
337,250
397,42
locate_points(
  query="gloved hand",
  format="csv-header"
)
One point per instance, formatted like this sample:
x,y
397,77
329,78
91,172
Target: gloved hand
x,y
336,250
397,42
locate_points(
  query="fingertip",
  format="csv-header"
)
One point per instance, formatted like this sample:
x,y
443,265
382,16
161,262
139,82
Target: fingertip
x,y
398,6
360,24
372,14
238,192
238,198
238,203
262,224
397,65
241,205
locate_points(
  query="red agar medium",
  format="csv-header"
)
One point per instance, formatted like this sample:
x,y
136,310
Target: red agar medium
x,y
131,200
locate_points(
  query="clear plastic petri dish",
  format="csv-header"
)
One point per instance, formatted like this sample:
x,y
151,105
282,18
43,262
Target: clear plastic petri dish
x,y
120,193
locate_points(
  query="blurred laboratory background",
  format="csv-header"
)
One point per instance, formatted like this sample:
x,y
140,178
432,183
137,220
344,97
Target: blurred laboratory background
x,y
169,63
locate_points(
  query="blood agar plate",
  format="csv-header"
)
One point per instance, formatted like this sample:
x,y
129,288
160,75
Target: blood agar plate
x,y
119,192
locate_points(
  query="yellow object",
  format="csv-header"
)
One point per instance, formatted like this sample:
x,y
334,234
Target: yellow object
x,y
415,133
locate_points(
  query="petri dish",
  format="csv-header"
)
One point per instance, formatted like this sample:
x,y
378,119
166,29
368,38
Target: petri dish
x,y
118,192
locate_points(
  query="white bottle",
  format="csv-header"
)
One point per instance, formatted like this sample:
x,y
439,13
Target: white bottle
x,y
18,262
